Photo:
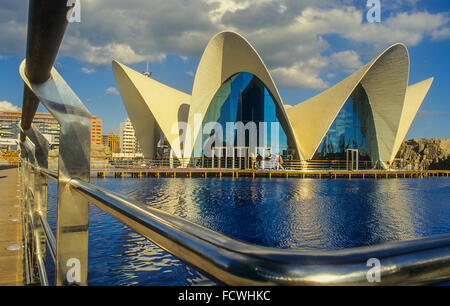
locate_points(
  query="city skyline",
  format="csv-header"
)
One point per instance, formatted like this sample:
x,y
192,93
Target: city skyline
x,y
46,123
49,127
317,27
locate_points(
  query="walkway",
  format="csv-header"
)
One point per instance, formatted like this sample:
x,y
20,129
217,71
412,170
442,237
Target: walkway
x,y
11,261
320,174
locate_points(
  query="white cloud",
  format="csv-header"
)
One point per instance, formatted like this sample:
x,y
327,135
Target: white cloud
x,y
190,73
13,27
88,70
292,36
302,74
112,91
307,74
8,106
441,34
346,60
83,50
410,29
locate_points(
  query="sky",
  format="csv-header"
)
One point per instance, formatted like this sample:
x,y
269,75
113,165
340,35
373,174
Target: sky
x,y
307,45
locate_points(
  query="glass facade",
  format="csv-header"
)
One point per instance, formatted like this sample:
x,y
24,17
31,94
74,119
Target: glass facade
x,y
353,128
244,98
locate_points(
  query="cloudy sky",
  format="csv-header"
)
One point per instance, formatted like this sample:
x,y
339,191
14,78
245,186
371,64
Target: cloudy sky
x,y
308,45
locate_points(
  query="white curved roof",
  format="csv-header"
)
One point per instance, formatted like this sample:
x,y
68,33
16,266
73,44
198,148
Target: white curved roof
x,y
227,54
151,106
385,80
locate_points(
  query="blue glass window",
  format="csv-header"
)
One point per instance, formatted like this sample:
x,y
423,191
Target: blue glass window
x,y
353,128
244,98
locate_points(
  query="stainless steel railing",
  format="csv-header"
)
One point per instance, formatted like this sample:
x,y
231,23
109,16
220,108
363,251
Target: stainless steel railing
x,y
415,262
238,263
228,260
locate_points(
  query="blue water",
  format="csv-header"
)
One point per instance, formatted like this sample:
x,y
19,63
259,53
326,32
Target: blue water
x,y
306,214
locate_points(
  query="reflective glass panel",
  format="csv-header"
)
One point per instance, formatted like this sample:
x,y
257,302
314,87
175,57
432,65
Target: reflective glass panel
x,y
244,98
353,128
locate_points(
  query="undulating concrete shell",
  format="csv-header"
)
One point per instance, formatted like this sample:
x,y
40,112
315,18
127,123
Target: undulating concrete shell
x,y
384,79
155,107
152,107
227,54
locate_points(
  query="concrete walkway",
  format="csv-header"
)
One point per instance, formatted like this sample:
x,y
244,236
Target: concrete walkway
x,y
11,261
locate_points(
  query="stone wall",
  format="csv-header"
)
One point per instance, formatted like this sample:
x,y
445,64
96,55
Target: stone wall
x,y
432,154
100,155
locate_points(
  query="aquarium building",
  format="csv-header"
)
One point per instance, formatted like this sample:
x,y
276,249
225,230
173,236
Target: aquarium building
x,y
369,112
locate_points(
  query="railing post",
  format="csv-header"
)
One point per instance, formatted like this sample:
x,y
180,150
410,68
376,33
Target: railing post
x,y
39,205
73,213
28,155
74,162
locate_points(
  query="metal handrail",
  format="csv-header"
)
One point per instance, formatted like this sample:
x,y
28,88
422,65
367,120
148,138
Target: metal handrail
x,y
47,24
238,263
51,241
49,173
232,164
38,252
234,262
40,260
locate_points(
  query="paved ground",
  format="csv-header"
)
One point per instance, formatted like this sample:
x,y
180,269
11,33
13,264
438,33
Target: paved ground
x,y
11,262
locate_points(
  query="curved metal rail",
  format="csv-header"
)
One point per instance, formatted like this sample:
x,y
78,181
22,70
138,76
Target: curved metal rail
x,y
47,24
234,262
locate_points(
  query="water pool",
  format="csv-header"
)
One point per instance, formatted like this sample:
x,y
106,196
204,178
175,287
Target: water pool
x,y
307,214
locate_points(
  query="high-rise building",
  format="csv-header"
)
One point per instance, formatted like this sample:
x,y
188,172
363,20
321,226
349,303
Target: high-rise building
x,y
9,127
111,141
8,130
128,141
96,130
47,125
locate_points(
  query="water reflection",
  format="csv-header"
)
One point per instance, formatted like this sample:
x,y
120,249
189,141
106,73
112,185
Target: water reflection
x,y
307,214
297,213
395,216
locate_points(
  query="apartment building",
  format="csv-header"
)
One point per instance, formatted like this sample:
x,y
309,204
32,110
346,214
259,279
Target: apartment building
x,y
96,130
47,125
112,141
128,141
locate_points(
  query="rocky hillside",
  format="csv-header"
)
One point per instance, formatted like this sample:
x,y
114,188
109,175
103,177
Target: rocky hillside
x,y
97,152
433,154
100,155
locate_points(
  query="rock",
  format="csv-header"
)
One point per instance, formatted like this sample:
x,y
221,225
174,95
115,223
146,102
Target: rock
x,y
430,154
421,147
98,152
